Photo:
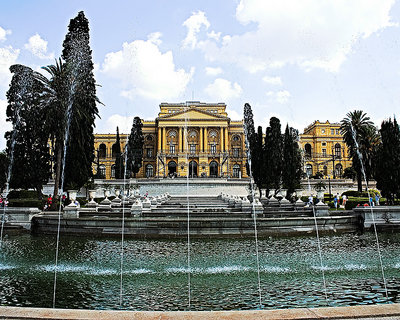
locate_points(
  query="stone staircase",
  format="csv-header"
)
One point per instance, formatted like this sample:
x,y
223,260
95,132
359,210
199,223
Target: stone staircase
x,y
199,206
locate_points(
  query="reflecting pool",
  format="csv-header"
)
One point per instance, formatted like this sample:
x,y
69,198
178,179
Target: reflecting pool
x,y
223,277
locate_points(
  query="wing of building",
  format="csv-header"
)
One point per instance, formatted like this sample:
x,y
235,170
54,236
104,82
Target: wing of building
x,y
324,149
192,138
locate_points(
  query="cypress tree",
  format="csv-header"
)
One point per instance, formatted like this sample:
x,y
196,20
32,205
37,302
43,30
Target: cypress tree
x,y
135,147
387,164
292,168
119,165
3,169
82,97
258,159
273,150
30,156
249,132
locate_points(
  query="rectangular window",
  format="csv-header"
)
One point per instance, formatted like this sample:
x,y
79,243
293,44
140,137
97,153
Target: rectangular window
x,y
337,131
213,148
149,152
332,131
172,148
324,152
192,148
236,152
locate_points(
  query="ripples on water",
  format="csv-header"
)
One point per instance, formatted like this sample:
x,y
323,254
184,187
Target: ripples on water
x,y
224,273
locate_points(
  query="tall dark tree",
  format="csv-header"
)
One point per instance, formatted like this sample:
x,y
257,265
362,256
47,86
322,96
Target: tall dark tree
x,y
292,162
257,156
355,128
273,153
81,102
249,131
387,163
135,147
27,141
119,165
3,169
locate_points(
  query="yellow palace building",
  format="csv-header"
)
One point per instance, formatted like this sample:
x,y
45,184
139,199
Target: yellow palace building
x,y
324,149
192,138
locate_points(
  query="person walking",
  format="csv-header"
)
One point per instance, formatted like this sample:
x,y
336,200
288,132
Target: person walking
x,y
344,200
377,199
335,201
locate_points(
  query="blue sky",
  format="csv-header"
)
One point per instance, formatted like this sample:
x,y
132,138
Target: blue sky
x,y
301,60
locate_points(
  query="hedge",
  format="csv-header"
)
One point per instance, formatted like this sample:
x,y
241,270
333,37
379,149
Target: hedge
x,y
27,203
24,194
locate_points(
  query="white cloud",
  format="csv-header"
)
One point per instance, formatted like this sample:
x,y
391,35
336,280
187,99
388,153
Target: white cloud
x,y
280,96
116,120
155,38
223,90
272,80
308,33
38,47
4,125
214,35
193,25
8,57
143,70
210,71
233,114
4,33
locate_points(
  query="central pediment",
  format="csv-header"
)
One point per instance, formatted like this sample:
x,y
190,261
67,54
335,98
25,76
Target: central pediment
x,y
193,114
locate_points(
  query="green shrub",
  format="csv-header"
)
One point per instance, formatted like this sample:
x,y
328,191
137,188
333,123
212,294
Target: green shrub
x,y
353,202
352,193
23,194
27,203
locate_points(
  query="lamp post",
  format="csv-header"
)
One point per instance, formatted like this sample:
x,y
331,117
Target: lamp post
x,y
333,164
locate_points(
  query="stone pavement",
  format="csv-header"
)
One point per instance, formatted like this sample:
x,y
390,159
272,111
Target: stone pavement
x,y
380,312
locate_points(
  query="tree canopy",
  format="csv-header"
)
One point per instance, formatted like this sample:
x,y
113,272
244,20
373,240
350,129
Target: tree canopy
x,y
135,147
27,146
359,135
387,160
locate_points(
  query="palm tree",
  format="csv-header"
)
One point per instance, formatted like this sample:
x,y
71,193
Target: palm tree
x,y
56,100
359,133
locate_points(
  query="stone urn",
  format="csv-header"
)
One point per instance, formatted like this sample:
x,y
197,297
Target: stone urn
x,y
106,193
72,195
117,193
92,195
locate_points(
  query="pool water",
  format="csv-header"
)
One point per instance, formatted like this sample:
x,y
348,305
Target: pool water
x,y
223,272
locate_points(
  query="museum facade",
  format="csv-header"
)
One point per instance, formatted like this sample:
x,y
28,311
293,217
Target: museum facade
x,y
324,150
191,138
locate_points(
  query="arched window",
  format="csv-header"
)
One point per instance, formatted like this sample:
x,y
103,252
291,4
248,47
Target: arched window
x,y
338,170
236,171
102,171
149,171
102,151
192,169
307,149
213,169
113,171
338,151
172,168
309,170
325,170
172,134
